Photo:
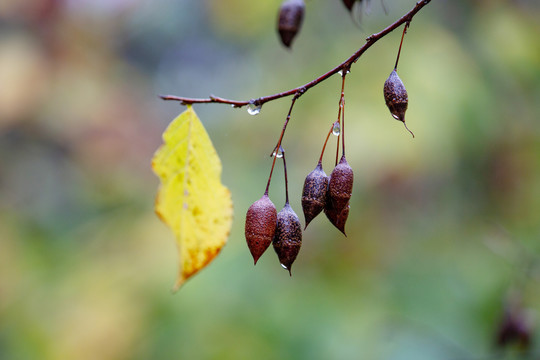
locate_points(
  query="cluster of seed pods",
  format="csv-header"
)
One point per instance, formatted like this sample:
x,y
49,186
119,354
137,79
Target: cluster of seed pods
x,y
331,194
265,226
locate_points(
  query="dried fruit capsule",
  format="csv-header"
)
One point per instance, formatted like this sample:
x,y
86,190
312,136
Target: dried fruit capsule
x,y
314,194
337,218
291,14
339,194
261,220
340,185
288,237
396,98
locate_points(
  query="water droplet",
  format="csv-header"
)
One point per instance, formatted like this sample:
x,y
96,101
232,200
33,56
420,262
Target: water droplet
x,y
395,116
340,72
277,154
253,109
336,130
285,267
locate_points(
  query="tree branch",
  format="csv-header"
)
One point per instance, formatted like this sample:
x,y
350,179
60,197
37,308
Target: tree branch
x,y
344,66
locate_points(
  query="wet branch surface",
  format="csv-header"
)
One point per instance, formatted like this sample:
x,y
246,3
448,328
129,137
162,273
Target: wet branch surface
x,y
343,67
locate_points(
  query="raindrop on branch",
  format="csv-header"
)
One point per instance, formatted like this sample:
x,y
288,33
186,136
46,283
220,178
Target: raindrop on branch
x,y
336,130
253,109
278,154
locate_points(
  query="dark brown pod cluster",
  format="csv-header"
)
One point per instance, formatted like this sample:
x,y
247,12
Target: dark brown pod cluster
x,y
288,237
339,193
396,96
261,220
291,14
314,193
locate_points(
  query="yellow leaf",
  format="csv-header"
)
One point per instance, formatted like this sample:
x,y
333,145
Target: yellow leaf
x,y
191,200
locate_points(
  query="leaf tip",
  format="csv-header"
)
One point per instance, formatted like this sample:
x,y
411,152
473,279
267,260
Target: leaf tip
x,y
179,282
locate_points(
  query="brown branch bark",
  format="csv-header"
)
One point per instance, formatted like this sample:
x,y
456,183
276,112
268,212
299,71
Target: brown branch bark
x,y
344,66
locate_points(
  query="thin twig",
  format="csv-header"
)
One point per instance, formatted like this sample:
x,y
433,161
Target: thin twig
x,y
296,96
341,115
337,146
342,108
325,142
399,51
276,150
285,171
270,177
407,18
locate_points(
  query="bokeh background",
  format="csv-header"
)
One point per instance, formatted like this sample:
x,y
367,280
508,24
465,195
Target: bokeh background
x,y
443,230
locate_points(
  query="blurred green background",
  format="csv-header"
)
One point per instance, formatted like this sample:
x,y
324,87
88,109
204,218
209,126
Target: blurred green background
x,y
441,230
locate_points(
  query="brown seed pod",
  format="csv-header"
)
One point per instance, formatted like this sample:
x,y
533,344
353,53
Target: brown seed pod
x,y
396,98
340,185
337,218
291,14
339,193
314,194
261,220
288,237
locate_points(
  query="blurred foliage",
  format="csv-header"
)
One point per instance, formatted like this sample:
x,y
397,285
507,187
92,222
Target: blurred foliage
x,y
442,229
